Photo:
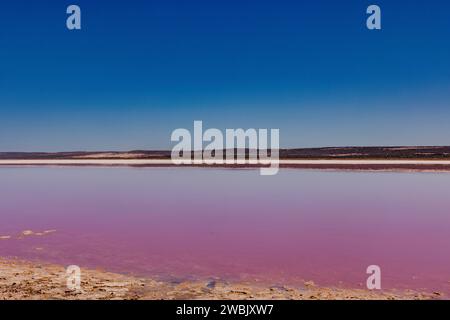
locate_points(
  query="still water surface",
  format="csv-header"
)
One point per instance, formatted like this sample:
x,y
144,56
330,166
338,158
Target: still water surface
x,y
181,223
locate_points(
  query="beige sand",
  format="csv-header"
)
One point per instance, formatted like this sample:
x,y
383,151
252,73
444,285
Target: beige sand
x,y
27,280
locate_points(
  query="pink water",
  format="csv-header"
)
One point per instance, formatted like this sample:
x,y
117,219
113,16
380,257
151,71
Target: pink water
x,y
178,223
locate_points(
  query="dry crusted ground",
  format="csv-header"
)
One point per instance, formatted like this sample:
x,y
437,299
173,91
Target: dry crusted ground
x,y
27,280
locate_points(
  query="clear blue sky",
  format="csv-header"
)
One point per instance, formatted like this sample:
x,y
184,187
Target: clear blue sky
x,y
139,69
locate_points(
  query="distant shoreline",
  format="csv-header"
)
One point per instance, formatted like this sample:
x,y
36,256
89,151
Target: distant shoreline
x,y
324,164
400,158
328,153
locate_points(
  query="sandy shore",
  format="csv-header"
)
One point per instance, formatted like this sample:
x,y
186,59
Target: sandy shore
x,y
26,280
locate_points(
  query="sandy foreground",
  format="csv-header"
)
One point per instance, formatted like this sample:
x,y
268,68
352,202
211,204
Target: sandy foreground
x,y
23,280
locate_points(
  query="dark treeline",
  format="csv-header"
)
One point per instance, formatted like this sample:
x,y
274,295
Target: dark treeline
x,y
298,153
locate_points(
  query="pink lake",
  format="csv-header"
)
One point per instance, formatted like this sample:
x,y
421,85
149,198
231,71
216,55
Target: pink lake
x,y
182,223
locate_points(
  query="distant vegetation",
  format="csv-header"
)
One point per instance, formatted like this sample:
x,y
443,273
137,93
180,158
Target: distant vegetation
x,y
304,153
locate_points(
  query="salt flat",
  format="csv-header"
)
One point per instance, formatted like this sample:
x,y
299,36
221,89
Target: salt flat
x,y
168,162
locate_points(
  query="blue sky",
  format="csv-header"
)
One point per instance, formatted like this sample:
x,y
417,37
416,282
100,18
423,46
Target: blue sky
x,y
139,69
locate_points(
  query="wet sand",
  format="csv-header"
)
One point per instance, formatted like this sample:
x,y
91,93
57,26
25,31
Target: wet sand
x,y
24,280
